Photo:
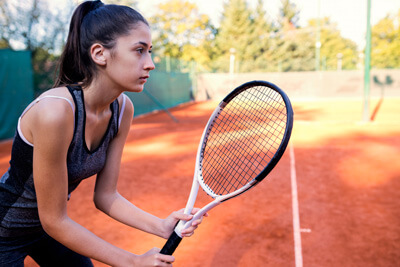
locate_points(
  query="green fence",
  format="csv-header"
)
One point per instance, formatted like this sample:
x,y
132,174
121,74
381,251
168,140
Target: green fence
x,y
16,88
162,90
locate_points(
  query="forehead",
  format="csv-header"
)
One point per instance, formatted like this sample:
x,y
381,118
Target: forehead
x,y
139,33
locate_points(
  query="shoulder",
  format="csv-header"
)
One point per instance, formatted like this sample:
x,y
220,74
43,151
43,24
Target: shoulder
x,y
126,113
58,92
125,103
53,116
55,106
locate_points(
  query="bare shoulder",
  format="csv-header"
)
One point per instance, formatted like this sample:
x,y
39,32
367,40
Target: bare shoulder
x,y
53,104
128,104
53,116
127,116
58,91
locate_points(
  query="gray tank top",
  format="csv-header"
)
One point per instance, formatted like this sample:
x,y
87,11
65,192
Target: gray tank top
x,y
18,205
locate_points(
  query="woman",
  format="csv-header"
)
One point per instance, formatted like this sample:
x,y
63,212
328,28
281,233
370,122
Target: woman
x,y
76,130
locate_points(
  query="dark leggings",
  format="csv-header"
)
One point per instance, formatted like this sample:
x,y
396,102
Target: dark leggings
x,y
42,248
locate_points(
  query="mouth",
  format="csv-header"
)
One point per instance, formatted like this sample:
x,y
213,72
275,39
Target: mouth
x,y
144,78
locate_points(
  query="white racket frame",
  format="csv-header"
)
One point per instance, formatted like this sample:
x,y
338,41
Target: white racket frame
x,y
198,181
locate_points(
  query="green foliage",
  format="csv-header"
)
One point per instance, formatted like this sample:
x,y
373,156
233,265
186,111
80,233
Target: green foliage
x,y
44,67
385,52
289,14
292,50
4,43
181,32
182,35
31,25
235,30
256,43
336,51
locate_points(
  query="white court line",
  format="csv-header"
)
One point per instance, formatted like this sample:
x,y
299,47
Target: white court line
x,y
295,208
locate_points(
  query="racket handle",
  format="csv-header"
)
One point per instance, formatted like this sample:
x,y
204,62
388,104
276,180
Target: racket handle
x,y
171,244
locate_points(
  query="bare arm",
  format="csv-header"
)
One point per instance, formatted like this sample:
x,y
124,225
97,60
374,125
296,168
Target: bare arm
x,y
52,133
108,200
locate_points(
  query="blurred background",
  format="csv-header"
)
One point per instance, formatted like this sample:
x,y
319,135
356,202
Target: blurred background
x,y
310,48
339,62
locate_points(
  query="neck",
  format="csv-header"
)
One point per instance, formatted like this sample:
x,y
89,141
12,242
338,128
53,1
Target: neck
x,y
98,96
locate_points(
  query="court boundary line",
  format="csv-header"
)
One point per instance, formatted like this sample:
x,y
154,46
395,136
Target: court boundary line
x,y
295,210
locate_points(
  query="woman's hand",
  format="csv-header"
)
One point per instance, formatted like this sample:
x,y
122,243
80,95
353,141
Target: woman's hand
x,y
170,222
153,257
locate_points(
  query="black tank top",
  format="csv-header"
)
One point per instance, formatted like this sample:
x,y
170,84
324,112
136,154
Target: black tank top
x,y
18,205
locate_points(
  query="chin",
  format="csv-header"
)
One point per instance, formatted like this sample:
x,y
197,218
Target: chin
x,y
136,89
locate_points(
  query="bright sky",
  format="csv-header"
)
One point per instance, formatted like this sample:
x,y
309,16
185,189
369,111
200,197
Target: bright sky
x,y
350,15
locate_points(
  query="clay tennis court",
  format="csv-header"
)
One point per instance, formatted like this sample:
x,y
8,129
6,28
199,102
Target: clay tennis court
x,y
348,191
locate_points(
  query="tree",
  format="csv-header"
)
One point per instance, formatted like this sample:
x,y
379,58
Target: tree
x,y
336,52
385,43
259,40
289,14
291,48
181,32
235,32
31,25
44,67
4,43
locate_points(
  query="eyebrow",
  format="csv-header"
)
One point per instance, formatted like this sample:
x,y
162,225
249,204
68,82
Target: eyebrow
x,y
144,44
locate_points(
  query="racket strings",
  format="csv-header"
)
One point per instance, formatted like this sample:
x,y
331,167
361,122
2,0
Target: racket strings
x,y
243,139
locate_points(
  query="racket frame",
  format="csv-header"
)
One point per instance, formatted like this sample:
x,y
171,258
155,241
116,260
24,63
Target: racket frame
x,y
218,199
197,181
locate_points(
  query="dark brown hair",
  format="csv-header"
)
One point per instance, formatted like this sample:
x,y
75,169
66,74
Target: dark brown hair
x,y
92,22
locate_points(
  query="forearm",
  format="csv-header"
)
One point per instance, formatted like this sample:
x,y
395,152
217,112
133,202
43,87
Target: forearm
x,y
125,212
84,242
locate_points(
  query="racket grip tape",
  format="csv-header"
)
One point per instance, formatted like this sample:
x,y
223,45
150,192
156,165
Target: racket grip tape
x,y
171,244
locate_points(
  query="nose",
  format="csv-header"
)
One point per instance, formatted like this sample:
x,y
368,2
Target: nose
x,y
149,65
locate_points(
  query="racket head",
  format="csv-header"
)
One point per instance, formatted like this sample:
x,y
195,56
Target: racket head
x,y
244,139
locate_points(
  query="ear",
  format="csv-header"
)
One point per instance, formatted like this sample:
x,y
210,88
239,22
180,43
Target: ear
x,y
98,54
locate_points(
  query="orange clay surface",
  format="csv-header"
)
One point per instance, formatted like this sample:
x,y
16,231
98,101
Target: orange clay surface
x,y
348,182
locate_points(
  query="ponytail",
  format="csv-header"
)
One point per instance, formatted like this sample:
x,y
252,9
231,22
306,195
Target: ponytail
x,y
92,22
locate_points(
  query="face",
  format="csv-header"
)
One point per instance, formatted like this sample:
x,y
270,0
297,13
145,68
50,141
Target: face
x,y
129,63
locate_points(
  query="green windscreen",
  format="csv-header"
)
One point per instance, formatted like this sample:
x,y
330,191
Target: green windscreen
x,y
162,90
16,88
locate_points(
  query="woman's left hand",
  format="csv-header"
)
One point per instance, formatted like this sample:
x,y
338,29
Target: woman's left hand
x,y
171,221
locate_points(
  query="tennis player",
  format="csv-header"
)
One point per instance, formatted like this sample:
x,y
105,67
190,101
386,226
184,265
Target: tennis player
x,y
74,131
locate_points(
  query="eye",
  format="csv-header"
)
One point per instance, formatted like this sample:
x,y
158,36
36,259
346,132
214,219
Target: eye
x,y
140,50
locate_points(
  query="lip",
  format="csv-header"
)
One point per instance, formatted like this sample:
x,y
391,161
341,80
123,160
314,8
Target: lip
x,y
143,79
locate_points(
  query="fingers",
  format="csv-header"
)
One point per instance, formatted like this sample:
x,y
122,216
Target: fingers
x,y
154,258
164,260
179,215
190,230
187,217
195,210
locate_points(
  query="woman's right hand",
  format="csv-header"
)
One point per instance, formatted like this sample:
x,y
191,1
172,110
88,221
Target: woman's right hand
x,y
153,257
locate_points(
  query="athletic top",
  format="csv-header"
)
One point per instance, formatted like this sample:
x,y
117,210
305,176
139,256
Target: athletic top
x,y
18,205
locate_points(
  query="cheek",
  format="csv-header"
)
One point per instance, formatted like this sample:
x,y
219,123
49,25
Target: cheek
x,y
124,69
126,74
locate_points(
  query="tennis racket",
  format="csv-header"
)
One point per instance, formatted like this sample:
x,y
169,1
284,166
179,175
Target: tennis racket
x,y
244,139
